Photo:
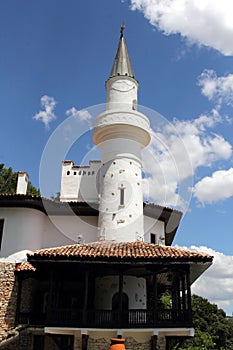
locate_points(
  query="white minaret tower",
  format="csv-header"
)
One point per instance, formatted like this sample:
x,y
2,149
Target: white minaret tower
x,y
121,132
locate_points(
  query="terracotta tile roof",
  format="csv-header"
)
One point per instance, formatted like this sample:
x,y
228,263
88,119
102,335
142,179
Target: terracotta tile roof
x,y
24,266
107,251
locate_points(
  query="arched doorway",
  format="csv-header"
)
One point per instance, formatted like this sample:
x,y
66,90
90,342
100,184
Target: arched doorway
x,y
120,307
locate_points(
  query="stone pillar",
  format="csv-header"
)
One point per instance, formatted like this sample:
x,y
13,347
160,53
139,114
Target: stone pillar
x,y
154,342
84,341
161,342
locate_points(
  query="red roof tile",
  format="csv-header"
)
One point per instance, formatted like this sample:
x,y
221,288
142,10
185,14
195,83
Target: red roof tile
x,y
24,266
118,251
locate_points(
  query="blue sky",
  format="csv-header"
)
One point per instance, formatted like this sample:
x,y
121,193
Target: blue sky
x,y
55,58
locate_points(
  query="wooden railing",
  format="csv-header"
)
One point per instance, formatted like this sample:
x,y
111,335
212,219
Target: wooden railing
x,y
136,318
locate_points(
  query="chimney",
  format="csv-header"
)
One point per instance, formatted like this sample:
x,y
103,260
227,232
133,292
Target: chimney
x,y
22,182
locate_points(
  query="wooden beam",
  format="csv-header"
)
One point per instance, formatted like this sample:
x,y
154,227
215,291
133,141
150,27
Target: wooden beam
x,y
155,297
184,304
85,301
189,299
120,294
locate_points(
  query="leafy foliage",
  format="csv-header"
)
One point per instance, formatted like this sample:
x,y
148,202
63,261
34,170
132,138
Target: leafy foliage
x,y
166,300
213,330
8,182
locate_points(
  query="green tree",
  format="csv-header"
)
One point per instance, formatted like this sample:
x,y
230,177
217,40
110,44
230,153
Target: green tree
x,y
8,182
213,330
166,300
202,340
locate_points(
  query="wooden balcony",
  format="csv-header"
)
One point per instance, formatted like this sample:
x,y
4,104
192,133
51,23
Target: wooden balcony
x,y
64,299
110,319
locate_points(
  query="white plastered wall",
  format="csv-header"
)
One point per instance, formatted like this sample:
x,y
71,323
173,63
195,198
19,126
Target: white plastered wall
x,y
80,183
156,227
121,171
30,229
121,93
70,230
23,229
107,286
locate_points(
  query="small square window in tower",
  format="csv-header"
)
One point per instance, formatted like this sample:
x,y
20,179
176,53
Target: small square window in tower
x,y
153,238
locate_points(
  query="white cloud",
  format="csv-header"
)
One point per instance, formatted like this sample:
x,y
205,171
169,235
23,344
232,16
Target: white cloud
x,y
46,115
82,115
217,89
175,153
216,284
218,186
205,22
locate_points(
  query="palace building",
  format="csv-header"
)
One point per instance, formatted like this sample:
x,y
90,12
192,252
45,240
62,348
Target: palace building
x,y
108,268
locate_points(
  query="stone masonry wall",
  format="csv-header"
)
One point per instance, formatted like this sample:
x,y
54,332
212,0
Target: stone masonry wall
x,y
27,293
77,342
132,344
8,298
98,344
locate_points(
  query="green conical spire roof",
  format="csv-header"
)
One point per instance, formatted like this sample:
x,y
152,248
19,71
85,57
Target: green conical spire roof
x,y
122,64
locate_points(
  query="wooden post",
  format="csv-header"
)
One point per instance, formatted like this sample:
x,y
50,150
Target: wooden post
x,y
50,305
189,300
174,299
85,301
155,297
183,294
154,342
178,313
120,295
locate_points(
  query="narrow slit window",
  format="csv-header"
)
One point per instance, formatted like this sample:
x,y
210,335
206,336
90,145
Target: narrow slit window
x,y
122,195
1,231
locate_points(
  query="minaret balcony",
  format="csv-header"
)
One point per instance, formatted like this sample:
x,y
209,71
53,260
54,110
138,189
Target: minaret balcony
x,y
127,124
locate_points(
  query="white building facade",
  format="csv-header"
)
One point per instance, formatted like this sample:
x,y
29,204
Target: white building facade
x,y
101,256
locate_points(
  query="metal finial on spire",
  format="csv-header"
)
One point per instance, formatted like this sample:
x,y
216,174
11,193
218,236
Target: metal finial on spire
x,y
122,29
122,65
